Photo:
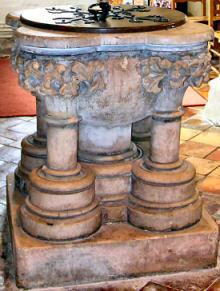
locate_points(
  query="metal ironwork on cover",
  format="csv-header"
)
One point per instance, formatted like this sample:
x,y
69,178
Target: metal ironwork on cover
x,y
102,18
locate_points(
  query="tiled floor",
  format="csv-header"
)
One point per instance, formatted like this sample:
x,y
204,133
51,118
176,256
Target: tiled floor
x,y
12,130
200,144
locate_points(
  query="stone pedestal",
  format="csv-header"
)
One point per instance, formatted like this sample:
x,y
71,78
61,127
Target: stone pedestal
x,y
61,202
109,152
94,87
163,194
112,257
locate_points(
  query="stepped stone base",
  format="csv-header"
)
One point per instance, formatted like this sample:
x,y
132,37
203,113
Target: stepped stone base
x,y
116,253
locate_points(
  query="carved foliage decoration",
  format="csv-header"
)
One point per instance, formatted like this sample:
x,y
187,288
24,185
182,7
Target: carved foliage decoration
x,y
68,77
60,77
161,73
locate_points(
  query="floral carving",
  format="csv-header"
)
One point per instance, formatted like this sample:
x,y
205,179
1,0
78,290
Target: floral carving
x,y
60,77
69,77
161,72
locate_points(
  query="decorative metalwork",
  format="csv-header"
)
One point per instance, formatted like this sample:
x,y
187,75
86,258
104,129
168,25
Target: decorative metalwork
x,y
96,13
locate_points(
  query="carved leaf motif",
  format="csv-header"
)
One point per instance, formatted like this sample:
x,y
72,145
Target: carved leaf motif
x,y
160,72
80,71
98,83
152,75
60,77
165,64
175,84
91,75
152,83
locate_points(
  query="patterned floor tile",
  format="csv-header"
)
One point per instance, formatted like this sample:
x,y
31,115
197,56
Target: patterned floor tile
x,y
212,206
210,185
188,133
196,123
183,157
26,118
5,169
191,111
214,129
12,134
188,113
10,154
7,122
5,140
203,166
2,209
3,195
209,137
196,149
215,156
199,177
34,120
2,183
215,173
16,144
24,127
214,286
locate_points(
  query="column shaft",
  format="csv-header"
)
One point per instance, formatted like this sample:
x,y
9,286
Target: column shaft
x,y
62,144
41,124
165,137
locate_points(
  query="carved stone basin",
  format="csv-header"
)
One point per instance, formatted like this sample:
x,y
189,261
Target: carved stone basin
x,y
115,80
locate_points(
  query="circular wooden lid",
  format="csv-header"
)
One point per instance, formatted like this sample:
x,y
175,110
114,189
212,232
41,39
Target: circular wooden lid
x,y
124,18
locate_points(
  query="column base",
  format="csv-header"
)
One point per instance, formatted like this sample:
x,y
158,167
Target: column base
x,y
61,205
113,180
33,156
115,252
164,199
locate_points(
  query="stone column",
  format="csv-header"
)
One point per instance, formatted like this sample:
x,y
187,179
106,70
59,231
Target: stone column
x,y
61,201
108,150
163,196
33,149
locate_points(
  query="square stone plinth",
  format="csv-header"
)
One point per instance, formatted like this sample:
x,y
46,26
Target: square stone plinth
x,y
116,251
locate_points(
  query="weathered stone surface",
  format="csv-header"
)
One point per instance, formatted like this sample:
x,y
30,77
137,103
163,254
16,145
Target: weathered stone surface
x,y
163,193
116,250
132,71
61,202
151,286
187,34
